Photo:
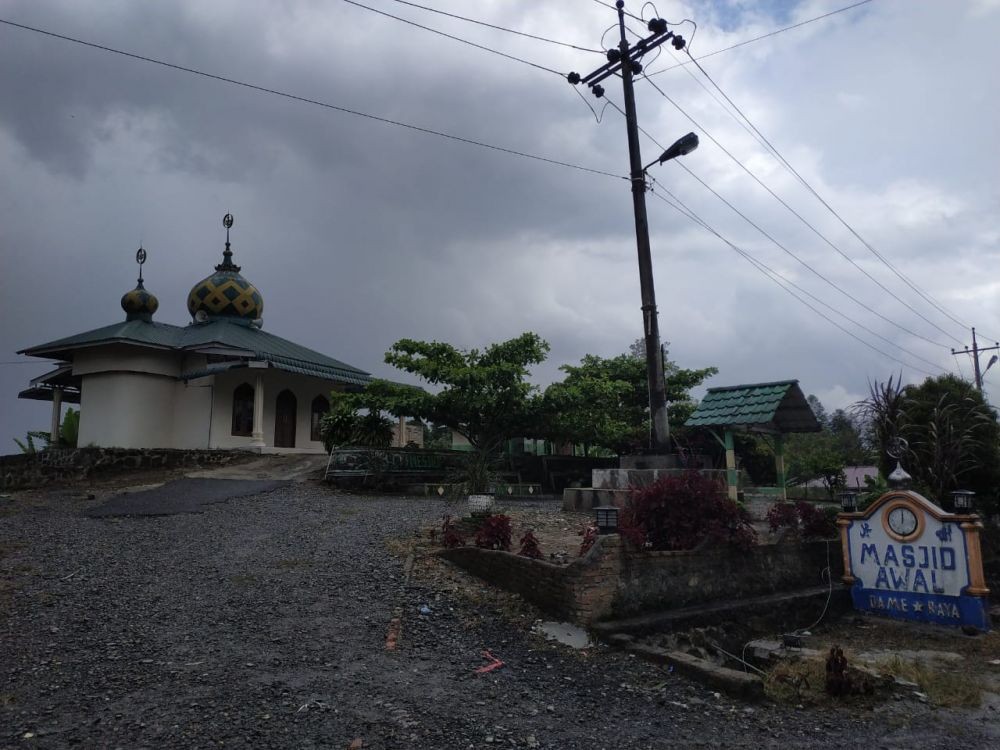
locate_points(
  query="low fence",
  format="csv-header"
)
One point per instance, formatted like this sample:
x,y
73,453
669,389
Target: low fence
x,y
29,470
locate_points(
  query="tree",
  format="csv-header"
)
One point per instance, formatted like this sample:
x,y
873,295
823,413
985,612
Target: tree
x,y
952,434
483,394
953,437
605,402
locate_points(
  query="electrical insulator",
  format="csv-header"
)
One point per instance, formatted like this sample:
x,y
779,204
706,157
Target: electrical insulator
x,y
678,42
614,55
598,91
657,25
573,78
636,68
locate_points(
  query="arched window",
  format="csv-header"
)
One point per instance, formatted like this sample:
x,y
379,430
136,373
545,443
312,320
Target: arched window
x,y
243,410
320,406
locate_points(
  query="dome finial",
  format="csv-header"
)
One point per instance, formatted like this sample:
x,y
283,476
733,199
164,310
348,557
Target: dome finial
x,y
139,304
140,258
227,255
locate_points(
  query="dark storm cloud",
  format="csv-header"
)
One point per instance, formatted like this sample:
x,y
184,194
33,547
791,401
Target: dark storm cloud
x,y
360,233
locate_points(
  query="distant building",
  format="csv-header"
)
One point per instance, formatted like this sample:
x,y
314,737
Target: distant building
x,y
219,382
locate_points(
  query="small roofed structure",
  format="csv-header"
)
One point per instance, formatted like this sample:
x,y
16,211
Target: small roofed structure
x,y
770,409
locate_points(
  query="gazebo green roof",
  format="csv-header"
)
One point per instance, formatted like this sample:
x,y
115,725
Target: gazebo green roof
x,y
777,407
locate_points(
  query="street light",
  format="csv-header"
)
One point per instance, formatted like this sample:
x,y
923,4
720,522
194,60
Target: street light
x,y
681,147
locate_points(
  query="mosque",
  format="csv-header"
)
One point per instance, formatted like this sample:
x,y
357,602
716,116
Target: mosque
x,y
219,382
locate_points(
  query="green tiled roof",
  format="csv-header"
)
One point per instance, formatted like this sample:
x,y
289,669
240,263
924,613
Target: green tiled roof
x,y
267,347
775,407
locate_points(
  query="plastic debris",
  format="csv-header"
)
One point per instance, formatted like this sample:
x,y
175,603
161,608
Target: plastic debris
x,y
495,663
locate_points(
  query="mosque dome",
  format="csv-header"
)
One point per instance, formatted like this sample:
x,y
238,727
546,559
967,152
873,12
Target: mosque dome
x,y
225,294
139,304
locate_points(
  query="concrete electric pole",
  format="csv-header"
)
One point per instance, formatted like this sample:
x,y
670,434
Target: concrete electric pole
x,y
625,62
974,351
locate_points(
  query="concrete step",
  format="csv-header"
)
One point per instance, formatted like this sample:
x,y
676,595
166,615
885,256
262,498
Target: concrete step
x,y
791,607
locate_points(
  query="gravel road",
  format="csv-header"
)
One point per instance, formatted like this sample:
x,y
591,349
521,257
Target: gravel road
x,y
262,622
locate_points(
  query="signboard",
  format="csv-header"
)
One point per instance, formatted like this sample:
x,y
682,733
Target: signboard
x,y
906,558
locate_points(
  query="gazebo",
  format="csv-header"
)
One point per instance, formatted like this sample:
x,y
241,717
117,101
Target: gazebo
x,y
769,409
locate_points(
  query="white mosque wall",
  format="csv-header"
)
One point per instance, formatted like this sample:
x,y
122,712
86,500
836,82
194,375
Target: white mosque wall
x,y
305,388
121,357
126,410
192,413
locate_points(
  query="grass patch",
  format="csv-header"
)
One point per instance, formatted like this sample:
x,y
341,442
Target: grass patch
x,y
941,687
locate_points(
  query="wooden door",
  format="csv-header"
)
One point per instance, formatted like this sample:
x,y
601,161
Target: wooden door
x,y
284,420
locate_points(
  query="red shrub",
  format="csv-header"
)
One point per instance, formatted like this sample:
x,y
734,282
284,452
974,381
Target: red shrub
x,y
681,511
529,546
494,533
450,536
803,517
589,534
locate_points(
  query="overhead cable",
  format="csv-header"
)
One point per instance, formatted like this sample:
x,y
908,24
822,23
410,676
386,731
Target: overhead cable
x,y
767,271
789,252
763,36
805,183
799,216
316,102
499,28
455,38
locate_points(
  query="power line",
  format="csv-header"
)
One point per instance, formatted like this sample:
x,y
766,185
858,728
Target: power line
x,y
774,276
763,36
784,162
630,15
499,28
753,259
455,38
27,362
799,216
806,265
789,252
316,102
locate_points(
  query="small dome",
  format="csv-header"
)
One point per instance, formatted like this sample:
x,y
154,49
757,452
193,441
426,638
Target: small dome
x,y
139,304
226,294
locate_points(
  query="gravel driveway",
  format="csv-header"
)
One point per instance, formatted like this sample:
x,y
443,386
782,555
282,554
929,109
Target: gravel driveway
x,y
262,622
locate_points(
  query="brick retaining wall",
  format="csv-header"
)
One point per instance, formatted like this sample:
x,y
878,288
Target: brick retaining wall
x,y
611,581
28,470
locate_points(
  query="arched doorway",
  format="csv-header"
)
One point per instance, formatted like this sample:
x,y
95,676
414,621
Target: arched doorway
x,y
284,420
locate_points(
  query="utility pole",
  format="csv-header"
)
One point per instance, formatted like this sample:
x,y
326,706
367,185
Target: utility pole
x,y
974,351
625,61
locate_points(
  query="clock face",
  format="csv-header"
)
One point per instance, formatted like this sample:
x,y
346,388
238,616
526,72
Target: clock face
x,y
902,521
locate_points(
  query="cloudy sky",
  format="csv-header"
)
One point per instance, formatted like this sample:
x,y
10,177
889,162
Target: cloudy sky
x,y
360,233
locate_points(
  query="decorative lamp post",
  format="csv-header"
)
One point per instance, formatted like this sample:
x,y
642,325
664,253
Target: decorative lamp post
x,y
849,501
607,519
897,449
962,500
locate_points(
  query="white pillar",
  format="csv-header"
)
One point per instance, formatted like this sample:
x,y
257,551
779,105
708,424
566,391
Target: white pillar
x,y
56,417
257,436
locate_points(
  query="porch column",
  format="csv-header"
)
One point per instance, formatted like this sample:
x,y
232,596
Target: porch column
x,y
257,436
731,477
779,464
402,431
56,417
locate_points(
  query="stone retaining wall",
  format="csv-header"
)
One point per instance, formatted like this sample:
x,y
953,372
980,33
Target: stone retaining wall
x,y
28,470
614,582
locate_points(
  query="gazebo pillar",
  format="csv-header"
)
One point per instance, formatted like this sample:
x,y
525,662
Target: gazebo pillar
x,y
732,479
257,435
56,417
779,464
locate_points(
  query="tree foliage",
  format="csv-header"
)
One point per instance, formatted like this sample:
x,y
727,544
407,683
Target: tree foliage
x,y
952,434
482,394
605,402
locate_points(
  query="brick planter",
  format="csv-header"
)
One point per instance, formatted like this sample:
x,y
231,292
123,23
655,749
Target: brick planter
x,y
611,581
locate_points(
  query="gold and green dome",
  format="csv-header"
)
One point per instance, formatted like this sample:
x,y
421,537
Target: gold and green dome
x,y
225,294
139,304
